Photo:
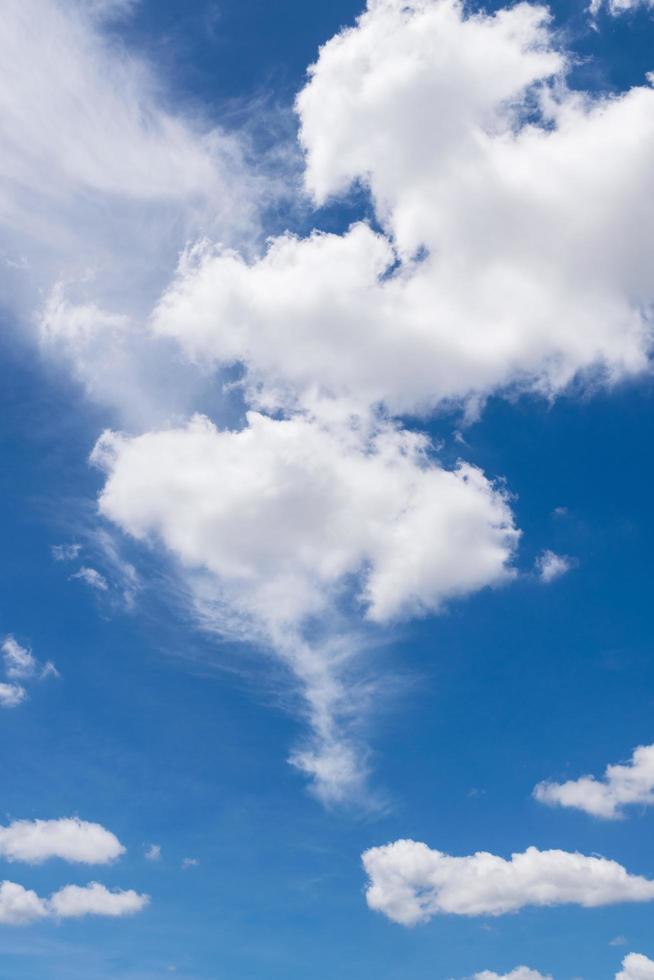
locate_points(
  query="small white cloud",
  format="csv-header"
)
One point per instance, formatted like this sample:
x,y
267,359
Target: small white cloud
x,y
549,566
411,883
618,941
153,853
635,966
622,785
19,662
92,577
19,906
66,552
20,665
190,863
70,839
73,902
520,973
11,695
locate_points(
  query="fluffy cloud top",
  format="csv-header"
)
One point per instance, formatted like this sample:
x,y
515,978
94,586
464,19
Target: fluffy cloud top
x,y
483,169
282,511
73,902
622,786
20,906
70,839
636,967
411,883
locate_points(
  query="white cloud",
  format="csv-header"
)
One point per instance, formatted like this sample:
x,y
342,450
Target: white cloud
x,y
411,883
622,785
66,552
289,517
20,665
190,863
153,852
18,660
11,695
636,967
520,973
71,839
19,906
74,902
483,169
102,182
93,578
549,566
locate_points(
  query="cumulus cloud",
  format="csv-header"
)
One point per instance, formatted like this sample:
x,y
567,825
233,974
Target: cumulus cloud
x,y
520,973
290,517
549,566
71,839
623,785
483,168
410,883
20,906
636,967
74,902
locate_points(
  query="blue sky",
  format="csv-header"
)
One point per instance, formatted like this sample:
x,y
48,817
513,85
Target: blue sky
x,y
285,638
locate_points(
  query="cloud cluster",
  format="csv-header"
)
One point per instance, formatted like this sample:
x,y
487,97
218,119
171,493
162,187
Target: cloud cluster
x,y
411,883
77,842
483,168
622,786
322,514
21,906
20,666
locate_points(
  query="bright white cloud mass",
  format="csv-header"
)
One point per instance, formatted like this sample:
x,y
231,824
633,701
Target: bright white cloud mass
x,y
71,839
411,883
623,785
21,906
636,967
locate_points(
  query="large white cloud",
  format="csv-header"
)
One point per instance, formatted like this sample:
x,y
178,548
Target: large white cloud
x,y
622,786
411,883
635,966
70,839
517,222
21,906
294,518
